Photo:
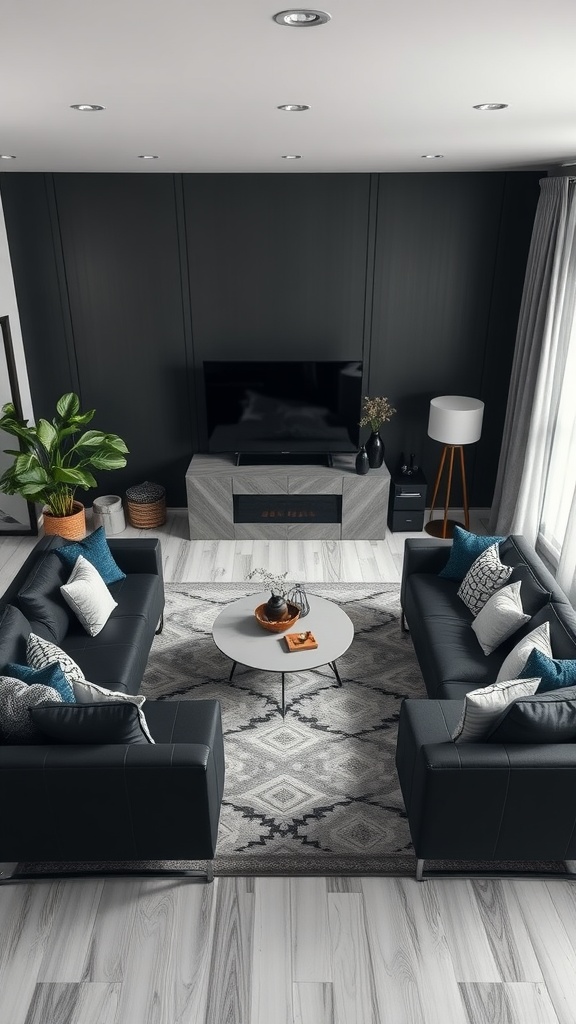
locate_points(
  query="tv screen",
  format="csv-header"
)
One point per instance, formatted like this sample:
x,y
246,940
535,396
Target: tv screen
x,y
283,407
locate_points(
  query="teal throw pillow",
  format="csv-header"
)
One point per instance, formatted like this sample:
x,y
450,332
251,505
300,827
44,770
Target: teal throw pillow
x,y
94,549
465,550
554,673
52,676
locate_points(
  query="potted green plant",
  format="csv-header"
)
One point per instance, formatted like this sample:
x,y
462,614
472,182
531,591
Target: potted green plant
x,y
375,412
51,464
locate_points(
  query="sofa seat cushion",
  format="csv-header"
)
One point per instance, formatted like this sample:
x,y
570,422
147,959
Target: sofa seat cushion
x,y
139,593
117,657
441,630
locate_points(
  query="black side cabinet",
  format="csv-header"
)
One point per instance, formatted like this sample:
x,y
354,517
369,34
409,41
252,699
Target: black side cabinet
x,y
407,502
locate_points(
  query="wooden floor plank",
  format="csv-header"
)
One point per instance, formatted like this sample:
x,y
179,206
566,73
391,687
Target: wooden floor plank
x,y
27,915
166,976
413,969
353,985
97,1004
471,953
314,1004
228,995
507,1003
311,956
108,950
506,931
271,1001
555,953
71,930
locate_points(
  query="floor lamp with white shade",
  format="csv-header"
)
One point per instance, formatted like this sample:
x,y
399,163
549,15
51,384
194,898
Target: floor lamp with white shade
x,y
454,421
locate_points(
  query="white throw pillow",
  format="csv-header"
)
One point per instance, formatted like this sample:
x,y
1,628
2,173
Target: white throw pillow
x,y
501,616
16,699
91,693
40,653
485,576
88,596
513,665
483,707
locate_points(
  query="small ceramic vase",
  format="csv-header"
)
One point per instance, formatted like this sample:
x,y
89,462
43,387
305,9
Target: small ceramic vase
x,y
362,462
276,608
375,449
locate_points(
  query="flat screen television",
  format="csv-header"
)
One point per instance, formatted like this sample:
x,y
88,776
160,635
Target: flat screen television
x,y
277,411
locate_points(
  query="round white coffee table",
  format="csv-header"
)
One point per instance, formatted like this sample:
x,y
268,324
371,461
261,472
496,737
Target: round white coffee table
x,y
239,636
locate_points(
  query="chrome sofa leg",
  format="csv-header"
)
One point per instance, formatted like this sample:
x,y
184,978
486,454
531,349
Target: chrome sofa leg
x,y
160,625
420,870
403,623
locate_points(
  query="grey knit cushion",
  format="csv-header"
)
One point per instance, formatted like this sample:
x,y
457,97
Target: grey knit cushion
x,y
16,699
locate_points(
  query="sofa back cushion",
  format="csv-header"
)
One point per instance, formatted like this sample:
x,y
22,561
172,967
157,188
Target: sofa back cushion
x,y
40,599
542,718
14,633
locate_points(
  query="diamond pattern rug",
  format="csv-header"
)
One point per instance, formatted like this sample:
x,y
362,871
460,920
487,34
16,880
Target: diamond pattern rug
x,y
316,792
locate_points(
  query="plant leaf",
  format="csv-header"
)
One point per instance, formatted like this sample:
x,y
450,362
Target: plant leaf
x,y
47,434
68,405
108,460
90,439
74,477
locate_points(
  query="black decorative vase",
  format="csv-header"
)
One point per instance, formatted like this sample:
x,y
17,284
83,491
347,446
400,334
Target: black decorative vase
x,y
276,608
375,449
362,463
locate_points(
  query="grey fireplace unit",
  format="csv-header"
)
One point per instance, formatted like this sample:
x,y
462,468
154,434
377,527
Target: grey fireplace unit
x,y
298,502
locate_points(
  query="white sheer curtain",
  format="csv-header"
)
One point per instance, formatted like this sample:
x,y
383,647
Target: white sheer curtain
x,y
536,485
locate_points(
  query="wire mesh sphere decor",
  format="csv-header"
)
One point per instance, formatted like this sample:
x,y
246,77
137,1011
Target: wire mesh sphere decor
x,y
146,505
298,597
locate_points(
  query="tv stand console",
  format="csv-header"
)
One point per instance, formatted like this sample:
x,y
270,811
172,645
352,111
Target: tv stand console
x,y
285,502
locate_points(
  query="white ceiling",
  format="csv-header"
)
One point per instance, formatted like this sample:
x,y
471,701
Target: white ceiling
x,y
198,84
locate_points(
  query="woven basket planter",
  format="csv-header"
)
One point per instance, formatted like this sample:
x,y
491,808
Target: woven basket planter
x,y
70,527
146,506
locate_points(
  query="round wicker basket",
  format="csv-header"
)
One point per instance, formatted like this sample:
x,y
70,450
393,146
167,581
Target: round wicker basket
x,y
146,516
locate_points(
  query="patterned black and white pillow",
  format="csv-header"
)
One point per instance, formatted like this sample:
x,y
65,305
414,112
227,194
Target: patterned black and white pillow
x,y
40,653
16,699
485,576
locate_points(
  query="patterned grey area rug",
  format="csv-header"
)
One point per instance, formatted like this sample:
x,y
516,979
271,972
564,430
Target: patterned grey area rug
x,y
317,792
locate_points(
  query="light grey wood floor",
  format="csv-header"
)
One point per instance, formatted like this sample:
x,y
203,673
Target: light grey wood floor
x,y
284,950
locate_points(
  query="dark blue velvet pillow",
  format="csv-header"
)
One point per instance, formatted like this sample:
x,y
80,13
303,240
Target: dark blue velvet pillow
x,y
95,549
52,676
465,550
554,673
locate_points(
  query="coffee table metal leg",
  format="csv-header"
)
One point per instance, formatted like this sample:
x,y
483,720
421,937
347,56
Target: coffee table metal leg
x,y
283,700
234,663
335,671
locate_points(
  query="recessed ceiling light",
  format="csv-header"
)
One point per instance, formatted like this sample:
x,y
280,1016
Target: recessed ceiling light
x,y
432,156
294,106
147,156
302,18
7,156
490,106
292,156
86,106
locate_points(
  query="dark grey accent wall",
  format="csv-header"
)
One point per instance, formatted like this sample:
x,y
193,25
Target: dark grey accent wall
x,y
126,283
450,257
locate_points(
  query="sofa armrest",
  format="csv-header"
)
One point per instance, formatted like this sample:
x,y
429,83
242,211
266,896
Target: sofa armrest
x,y
111,802
422,555
484,801
137,554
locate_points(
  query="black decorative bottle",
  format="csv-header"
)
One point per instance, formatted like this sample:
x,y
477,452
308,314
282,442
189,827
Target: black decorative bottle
x,y
375,449
362,462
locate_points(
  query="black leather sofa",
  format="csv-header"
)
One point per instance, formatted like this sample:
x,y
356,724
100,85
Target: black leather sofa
x,y
108,802
482,801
